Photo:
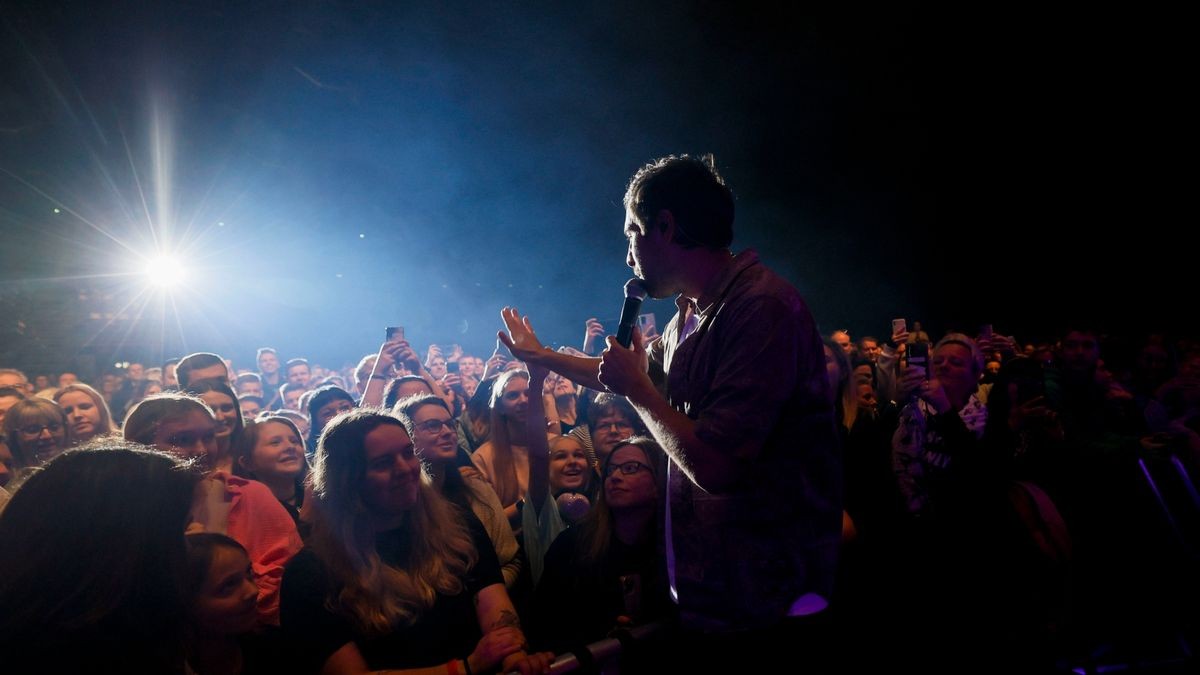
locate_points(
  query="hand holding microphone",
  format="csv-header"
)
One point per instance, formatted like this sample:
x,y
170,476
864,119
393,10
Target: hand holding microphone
x,y
635,293
624,363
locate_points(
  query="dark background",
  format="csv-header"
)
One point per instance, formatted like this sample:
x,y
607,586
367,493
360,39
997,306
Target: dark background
x,y
325,169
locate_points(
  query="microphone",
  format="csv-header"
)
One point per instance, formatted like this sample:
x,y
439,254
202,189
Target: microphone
x,y
635,293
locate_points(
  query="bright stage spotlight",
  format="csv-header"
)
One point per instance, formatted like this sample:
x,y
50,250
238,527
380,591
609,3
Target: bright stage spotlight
x,y
163,272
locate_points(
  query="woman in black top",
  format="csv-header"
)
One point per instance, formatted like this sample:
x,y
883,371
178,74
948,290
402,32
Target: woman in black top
x,y
604,572
394,576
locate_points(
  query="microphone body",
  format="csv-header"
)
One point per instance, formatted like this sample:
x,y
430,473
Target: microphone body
x,y
635,293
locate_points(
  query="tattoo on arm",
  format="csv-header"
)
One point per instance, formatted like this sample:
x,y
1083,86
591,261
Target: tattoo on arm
x,y
507,618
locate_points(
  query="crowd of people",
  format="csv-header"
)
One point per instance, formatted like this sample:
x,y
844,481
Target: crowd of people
x,y
443,513
999,479
307,494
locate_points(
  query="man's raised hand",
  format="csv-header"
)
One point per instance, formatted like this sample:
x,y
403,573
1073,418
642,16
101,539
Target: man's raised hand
x,y
520,339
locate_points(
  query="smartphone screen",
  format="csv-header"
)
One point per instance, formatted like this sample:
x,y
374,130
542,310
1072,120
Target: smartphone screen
x,y
918,355
395,332
646,324
452,366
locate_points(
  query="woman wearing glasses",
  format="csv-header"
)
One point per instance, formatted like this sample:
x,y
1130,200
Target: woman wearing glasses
x,y
435,440
603,572
36,430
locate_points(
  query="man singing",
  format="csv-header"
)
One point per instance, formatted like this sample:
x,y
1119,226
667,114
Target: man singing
x,y
754,482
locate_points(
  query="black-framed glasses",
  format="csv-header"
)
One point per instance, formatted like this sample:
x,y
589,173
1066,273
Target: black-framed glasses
x,y
36,429
434,426
627,468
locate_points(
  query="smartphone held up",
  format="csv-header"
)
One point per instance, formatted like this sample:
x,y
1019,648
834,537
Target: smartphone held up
x,y
918,355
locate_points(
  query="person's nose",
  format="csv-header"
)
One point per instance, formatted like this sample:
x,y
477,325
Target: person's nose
x,y
249,590
402,468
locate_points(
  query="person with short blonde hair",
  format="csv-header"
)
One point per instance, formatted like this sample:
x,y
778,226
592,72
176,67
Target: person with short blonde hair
x,y
36,431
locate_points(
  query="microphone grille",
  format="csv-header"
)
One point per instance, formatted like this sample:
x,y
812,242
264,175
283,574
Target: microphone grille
x,y
635,288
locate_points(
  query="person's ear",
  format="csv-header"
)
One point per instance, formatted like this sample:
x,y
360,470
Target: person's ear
x,y
665,222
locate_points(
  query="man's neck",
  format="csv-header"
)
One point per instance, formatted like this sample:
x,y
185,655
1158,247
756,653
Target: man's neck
x,y
701,268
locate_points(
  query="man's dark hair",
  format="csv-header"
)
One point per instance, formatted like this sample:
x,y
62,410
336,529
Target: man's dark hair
x,y
695,194
195,362
296,362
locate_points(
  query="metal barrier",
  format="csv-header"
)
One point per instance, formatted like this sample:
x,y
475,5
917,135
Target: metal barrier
x,y
601,656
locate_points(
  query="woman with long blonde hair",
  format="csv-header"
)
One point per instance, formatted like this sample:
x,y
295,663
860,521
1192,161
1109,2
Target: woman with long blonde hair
x,y
431,427
504,458
394,576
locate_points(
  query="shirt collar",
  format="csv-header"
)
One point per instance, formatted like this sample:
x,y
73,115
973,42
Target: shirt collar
x,y
720,283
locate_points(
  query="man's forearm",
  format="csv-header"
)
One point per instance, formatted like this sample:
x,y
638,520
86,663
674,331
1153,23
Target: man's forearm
x,y
578,369
712,469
